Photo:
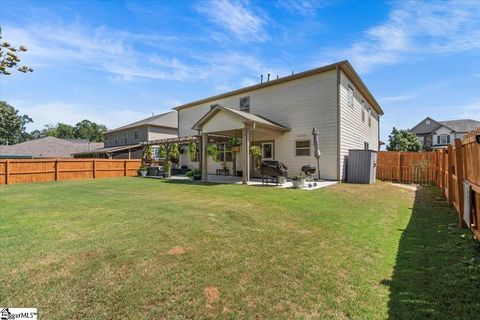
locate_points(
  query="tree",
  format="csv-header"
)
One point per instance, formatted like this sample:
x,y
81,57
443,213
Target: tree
x,y
9,57
92,131
61,130
12,125
403,140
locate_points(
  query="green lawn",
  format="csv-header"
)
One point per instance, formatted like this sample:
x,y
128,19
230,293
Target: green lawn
x,y
143,248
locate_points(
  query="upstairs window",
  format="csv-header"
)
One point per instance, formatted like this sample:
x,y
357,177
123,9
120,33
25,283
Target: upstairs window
x,y
245,104
116,138
427,122
302,148
350,96
369,117
135,134
366,146
125,137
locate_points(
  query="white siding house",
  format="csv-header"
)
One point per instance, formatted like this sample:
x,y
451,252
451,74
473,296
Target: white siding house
x,y
297,103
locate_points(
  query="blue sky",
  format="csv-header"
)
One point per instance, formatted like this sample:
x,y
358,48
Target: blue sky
x,y
115,62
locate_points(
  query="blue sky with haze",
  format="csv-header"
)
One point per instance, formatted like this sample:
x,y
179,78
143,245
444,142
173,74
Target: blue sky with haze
x,y
115,62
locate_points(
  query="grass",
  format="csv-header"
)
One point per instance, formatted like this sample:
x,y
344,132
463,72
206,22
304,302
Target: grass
x,y
141,248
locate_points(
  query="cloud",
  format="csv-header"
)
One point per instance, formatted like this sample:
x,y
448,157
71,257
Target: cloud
x,y
303,7
71,113
403,97
415,29
236,18
470,111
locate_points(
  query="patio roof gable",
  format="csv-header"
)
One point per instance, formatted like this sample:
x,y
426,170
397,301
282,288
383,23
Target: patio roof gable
x,y
234,119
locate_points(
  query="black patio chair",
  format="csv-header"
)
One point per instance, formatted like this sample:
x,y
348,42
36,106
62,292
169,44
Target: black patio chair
x,y
272,170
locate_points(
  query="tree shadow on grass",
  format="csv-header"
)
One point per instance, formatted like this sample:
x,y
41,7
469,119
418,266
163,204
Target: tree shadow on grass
x,y
437,271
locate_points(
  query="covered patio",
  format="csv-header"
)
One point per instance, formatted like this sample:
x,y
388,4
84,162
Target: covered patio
x,y
228,122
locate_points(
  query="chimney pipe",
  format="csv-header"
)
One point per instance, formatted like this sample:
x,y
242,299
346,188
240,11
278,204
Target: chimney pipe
x,y
292,72
268,78
261,78
277,76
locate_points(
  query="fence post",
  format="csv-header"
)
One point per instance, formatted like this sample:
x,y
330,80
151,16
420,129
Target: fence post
x,y
399,163
56,169
459,168
94,168
450,175
7,171
125,168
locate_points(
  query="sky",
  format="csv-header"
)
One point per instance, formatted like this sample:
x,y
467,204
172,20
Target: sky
x,y
115,62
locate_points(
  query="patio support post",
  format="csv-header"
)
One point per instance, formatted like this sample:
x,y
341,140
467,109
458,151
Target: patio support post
x,y
204,157
246,155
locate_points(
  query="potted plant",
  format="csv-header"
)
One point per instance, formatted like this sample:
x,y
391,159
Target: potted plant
x,y
142,171
298,181
167,169
195,174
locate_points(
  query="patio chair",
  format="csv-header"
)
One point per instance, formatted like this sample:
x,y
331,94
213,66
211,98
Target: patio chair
x,y
272,170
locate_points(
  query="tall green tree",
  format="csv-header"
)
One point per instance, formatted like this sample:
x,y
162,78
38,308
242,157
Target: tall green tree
x,y
403,140
12,125
9,58
92,131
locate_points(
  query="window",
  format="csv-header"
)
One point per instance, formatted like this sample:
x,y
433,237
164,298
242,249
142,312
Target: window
x,y
302,148
135,134
125,137
245,104
369,117
155,153
427,122
225,153
350,96
116,138
443,139
267,151
366,146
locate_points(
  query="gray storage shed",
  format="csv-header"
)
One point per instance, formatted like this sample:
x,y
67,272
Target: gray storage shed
x,y
362,166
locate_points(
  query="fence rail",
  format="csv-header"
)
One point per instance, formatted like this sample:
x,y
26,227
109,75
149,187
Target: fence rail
x,y
14,171
447,168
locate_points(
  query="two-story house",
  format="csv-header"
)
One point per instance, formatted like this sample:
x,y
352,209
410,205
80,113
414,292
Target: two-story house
x,y
279,115
439,134
124,142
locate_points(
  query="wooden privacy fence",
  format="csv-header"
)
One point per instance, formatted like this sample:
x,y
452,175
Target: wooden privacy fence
x,y
455,170
40,170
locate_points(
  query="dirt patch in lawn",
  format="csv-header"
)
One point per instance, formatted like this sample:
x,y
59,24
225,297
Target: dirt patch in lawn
x,y
212,295
177,250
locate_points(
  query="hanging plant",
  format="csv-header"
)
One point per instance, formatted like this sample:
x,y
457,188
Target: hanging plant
x,y
192,149
234,144
147,153
174,152
213,152
256,152
162,152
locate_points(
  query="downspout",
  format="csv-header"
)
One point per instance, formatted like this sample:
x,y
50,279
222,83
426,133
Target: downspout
x,y
338,124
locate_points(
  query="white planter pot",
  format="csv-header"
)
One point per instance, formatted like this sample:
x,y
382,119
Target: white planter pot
x,y
298,184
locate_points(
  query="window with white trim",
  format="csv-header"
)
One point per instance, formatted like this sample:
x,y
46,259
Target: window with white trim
x,y
366,145
443,139
302,148
245,104
350,96
135,134
125,137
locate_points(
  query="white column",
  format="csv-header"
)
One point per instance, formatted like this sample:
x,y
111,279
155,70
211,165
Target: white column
x,y
204,157
246,154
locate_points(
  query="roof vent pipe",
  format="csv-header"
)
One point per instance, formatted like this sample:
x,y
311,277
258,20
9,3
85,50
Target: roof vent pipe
x,y
292,72
268,78
277,76
261,78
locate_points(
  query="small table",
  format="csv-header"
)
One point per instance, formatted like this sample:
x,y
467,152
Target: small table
x,y
225,172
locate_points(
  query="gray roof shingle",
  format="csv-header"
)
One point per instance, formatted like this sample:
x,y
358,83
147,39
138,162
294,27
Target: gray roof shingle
x,y
168,120
49,147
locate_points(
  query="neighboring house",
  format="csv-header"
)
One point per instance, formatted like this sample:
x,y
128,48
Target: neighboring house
x,y
439,134
279,116
47,147
124,142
